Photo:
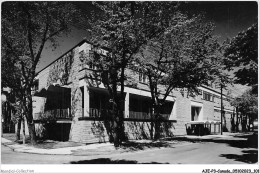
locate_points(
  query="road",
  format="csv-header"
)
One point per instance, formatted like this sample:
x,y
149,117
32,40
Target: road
x,y
197,153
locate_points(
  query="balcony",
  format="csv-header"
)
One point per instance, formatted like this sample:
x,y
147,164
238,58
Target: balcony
x,y
103,113
146,116
96,113
56,114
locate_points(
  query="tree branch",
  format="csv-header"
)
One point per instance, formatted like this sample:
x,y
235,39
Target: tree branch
x,y
29,36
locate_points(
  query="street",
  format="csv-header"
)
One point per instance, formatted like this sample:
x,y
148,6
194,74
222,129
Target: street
x,y
196,153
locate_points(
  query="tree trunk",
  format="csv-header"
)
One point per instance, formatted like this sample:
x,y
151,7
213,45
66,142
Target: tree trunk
x,y
152,123
32,133
119,134
157,122
18,130
121,129
237,123
249,122
244,123
29,117
116,126
23,131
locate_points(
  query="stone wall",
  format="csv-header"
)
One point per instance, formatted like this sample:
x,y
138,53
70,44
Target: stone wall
x,y
93,131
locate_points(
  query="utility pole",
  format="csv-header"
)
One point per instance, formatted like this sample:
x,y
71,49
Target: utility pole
x,y
221,107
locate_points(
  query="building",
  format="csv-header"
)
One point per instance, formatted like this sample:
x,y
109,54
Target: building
x,y
70,103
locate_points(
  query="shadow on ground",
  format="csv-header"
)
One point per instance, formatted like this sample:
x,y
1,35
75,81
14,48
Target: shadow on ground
x,y
248,156
248,141
41,143
129,146
133,146
109,161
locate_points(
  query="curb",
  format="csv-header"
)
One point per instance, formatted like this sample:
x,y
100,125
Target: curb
x,y
95,149
58,151
73,150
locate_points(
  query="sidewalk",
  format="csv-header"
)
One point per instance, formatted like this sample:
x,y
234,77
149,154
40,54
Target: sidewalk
x,y
59,151
225,136
108,148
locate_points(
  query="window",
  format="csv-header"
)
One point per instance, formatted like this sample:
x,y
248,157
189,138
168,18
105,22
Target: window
x,y
207,96
195,113
142,78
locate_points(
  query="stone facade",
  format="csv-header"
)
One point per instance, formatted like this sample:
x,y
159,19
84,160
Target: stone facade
x,y
84,128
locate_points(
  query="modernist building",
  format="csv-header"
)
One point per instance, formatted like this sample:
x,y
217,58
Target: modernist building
x,y
71,103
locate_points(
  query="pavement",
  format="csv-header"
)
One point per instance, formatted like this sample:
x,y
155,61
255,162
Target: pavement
x,y
58,151
108,148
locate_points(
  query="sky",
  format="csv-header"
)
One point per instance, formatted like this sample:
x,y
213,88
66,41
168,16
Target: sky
x,y
229,17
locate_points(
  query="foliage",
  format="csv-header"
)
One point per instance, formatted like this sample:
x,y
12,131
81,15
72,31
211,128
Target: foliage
x,y
242,55
186,55
247,103
187,47
122,28
26,28
61,69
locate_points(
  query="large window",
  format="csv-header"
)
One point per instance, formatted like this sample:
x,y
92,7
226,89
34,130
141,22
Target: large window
x,y
195,112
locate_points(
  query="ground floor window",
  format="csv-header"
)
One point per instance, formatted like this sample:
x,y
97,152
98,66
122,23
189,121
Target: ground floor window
x,y
195,112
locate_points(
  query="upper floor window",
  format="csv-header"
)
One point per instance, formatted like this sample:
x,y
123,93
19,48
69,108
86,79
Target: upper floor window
x,y
142,77
207,96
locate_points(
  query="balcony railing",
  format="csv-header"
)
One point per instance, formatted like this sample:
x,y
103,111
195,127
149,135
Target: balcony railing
x,y
139,115
94,113
53,114
97,113
144,115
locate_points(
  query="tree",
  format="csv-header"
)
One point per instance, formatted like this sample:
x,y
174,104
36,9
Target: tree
x,y
18,116
26,28
247,105
187,55
242,55
122,28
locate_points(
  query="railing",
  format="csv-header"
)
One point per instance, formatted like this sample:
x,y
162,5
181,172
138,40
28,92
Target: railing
x,y
53,114
144,115
94,112
97,113
139,115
